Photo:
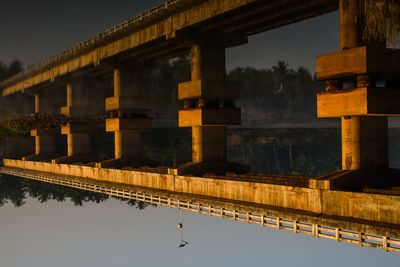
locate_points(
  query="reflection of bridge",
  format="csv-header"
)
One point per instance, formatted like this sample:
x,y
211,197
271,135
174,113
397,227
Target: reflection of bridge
x,y
358,232
361,88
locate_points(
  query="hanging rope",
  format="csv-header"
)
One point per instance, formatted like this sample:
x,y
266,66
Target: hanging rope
x,y
180,227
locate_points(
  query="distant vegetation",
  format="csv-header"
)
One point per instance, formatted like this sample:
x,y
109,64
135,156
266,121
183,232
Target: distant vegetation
x,y
6,71
6,131
275,94
279,94
16,190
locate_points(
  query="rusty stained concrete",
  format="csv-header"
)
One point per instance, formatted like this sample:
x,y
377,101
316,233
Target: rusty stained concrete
x,y
364,206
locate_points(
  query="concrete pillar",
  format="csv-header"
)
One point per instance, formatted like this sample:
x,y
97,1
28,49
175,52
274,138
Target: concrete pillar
x,y
351,26
128,118
78,144
364,143
117,83
364,139
208,108
37,103
209,143
45,143
78,133
208,65
127,144
44,140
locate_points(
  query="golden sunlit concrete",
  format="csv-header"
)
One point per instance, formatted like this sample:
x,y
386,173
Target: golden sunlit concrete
x,y
352,76
358,205
166,27
341,229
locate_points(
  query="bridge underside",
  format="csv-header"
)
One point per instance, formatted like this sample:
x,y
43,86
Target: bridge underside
x,y
160,36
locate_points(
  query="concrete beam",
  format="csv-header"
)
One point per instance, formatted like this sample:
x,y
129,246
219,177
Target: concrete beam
x,y
365,101
379,63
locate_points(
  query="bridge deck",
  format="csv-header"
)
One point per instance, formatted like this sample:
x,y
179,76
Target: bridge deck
x,y
362,233
261,190
155,34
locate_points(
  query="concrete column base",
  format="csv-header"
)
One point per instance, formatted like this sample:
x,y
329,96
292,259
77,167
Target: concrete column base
x,y
202,168
365,143
209,143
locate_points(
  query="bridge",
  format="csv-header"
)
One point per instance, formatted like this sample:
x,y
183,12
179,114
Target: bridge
x,y
340,229
361,88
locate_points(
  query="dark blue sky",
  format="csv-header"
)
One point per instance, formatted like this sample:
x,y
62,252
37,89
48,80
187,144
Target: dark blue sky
x,y
34,30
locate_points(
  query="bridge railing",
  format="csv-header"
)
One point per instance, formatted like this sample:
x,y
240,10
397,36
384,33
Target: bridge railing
x,y
155,11
385,243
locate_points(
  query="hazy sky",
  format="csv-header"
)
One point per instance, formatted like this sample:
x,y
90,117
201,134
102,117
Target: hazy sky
x,y
34,30
114,234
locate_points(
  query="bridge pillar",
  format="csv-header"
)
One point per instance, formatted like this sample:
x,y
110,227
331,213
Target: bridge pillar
x,y
79,130
127,119
208,108
359,89
45,143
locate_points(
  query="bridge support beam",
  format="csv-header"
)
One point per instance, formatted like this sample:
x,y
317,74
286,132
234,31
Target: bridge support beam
x,y
77,132
127,119
353,92
209,107
45,143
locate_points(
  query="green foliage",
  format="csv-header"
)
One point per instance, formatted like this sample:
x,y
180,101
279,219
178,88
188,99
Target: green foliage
x,y
6,131
277,93
307,152
169,147
16,190
7,71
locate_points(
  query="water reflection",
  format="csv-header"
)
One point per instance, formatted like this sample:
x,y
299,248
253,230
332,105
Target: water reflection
x,y
384,236
16,190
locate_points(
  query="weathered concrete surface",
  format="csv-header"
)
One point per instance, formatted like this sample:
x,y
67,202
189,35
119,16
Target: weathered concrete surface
x,y
228,15
372,207
352,77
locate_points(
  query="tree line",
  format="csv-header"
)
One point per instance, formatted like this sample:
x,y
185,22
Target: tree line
x,y
16,190
8,70
276,94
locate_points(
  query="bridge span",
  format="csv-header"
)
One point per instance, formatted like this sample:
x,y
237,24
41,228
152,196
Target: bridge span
x,y
364,233
361,87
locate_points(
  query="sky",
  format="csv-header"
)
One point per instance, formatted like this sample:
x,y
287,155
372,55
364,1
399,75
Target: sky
x,y
35,30
114,234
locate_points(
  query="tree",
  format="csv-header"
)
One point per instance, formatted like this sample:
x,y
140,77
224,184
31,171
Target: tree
x,y
7,71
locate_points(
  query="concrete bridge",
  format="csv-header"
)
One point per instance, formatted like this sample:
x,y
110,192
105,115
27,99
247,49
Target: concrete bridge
x,y
364,233
361,84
